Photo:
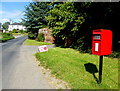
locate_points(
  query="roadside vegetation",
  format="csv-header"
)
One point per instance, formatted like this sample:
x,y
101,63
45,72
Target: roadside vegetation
x,y
19,34
6,36
35,42
69,65
16,32
72,22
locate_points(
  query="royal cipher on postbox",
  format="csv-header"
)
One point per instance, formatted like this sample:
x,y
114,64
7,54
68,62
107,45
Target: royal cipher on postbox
x,y
102,42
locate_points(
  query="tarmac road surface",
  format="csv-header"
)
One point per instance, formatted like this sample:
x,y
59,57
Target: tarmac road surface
x,y
19,68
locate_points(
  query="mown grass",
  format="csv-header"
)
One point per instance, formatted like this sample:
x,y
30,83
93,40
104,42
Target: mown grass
x,y
17,34
34,42
68,64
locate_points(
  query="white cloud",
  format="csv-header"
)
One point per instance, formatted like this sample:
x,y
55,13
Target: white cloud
x,y
4,20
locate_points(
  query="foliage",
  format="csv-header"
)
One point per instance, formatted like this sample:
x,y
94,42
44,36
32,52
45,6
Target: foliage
x,y
114,54
35,16
68,65
74,20
0,25
102,16
77,19
18,31
6,36
21,31
34,42
6,25
31,36
65,20
78,44
40,37
14,31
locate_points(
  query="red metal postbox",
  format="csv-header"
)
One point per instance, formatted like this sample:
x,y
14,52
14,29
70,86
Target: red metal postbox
x,y
102,42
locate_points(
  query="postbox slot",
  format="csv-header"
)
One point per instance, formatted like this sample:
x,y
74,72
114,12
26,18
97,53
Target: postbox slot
x,y
96,47
97,37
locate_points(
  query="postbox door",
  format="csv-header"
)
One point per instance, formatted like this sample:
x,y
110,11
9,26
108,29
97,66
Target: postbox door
x,y
96,47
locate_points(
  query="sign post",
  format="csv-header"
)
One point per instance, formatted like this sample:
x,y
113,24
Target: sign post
x,y
100,68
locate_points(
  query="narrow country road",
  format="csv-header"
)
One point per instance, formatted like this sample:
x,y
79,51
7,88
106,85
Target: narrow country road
x,y
19,68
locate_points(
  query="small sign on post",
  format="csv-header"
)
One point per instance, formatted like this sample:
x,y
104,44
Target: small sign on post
x,y
43,48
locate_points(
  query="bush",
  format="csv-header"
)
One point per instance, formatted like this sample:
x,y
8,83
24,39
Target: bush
x,y
31,36
21,31
40,37
79,45
14,31
6,36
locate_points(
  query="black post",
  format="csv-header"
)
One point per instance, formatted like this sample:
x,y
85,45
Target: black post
x,y
100,69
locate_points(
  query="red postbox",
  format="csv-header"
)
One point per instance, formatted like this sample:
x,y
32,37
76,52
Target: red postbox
x,y
102,42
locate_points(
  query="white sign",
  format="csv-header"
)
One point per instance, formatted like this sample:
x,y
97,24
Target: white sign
x,y
43,48
96,46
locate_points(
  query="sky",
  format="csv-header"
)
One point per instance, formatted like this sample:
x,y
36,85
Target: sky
x,y
12,11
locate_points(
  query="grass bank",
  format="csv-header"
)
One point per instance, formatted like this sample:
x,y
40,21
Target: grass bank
x,y
34,42
69,65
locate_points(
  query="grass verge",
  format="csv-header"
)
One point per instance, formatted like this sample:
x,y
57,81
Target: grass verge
x,y
20,33
6,36
34,42
68,64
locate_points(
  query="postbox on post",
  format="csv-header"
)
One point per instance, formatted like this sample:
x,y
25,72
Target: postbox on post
x,y
101,45
102,42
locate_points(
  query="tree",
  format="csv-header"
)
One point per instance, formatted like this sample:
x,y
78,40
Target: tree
x,y
0,25
6,25
35,16
105,16
72,22
75,21
65,20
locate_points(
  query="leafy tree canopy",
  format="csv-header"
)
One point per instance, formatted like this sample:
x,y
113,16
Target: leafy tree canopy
x,y
6,25
65,19
35,16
